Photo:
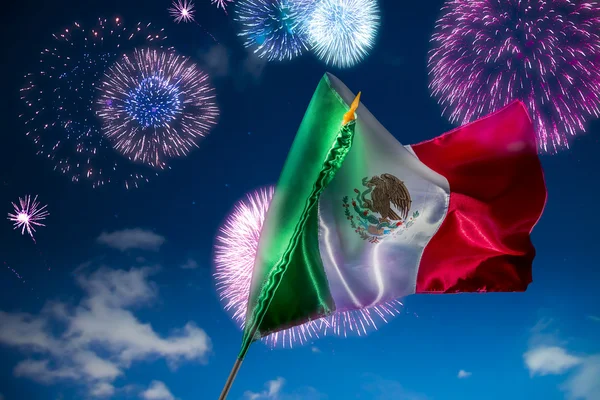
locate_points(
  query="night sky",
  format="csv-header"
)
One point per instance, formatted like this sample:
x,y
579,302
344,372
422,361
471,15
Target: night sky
x,y
138,306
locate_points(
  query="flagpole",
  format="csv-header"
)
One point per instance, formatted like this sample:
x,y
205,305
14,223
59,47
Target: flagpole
x,y
238,363
230,379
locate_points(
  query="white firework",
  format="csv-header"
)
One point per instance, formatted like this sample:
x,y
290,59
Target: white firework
x,y
342,32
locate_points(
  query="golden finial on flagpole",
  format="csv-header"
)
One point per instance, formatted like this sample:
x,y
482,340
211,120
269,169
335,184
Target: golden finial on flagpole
x,y
351,114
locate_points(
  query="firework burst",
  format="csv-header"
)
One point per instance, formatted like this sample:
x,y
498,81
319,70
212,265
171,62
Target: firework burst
x,y
273,28
27,215
546,53
342,32
156,105
182,10
59,99
235,251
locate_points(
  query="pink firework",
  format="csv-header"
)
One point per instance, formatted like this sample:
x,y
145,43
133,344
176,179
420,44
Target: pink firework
x,y
155,105
182,10
235,251
360,322
546,53
27,215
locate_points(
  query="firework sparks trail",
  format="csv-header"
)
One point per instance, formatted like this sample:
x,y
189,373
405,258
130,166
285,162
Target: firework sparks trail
x,y
27,215
546,53
342,32
360,322
156,105
221,4
60,115
14,272
235,251
273,28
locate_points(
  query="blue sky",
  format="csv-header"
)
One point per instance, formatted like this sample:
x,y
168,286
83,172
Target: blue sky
x,y
118,299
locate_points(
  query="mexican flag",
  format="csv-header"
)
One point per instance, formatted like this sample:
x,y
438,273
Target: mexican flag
x,y
358,219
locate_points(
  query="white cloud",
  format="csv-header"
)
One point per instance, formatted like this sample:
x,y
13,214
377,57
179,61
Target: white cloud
x,y
584,384
273,388
463,374
20,329
102,389
96,367
594,318
132,239
547,355
315,349
546,360
157,391
99,337
41,371
190,264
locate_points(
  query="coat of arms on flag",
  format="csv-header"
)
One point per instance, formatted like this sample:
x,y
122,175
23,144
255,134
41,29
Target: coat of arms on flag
x,y
381,209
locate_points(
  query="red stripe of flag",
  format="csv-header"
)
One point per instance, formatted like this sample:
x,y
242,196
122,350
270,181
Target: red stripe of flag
x,y
497,195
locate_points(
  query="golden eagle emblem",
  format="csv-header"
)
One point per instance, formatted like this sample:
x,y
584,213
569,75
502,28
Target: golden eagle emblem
x,y
385,212
387,191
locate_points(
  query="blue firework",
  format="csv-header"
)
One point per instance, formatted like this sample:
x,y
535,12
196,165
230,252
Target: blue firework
x,y
342,32
155,105
59,100
273,28
154,102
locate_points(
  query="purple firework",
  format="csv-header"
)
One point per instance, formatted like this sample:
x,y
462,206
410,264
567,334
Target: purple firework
x,y
28,214
546,53
182,10
155,105
235,251
59,113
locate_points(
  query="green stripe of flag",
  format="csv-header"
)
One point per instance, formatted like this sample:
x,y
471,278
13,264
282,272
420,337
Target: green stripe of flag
x,y
289,285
